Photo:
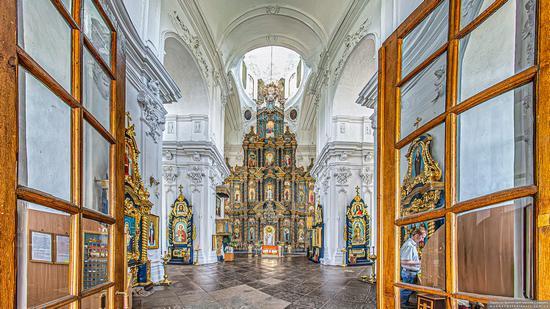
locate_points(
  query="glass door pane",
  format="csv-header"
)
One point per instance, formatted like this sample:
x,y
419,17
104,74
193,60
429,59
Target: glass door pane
x,y
44,138
95,237
49,46
44,253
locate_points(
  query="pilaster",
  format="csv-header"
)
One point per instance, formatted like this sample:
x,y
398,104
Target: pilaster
x,y
339,169
199,168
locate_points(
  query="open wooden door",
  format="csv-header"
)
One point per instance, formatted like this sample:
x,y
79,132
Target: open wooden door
x,y
61,173
463,144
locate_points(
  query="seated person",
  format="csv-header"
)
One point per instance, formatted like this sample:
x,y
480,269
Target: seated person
x,y
410,262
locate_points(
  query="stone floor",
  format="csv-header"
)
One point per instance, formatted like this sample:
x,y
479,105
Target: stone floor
x,y
251,282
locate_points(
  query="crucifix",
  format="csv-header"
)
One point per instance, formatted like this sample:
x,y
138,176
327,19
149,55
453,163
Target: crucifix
x,y
417,122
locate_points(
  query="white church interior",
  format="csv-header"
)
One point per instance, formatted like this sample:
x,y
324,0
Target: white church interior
x,y
275,154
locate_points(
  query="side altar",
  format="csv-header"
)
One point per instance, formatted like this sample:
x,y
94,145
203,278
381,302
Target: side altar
x,y
137,209
181,231
270,195
358,232
316,234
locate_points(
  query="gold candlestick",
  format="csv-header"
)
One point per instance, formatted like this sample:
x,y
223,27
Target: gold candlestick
x,y
372,278
197,257
344,262
165,260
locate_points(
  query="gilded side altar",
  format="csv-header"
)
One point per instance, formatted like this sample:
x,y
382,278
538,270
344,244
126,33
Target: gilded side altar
x,y
137,209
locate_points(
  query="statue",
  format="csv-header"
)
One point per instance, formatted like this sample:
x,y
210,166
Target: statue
x,y
287,194
251,194
269,192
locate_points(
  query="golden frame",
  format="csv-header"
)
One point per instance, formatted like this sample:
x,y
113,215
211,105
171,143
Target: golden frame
x,y
131,211
154,221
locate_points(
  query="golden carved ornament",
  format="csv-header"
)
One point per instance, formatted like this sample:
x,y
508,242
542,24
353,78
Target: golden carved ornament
x,y
421,191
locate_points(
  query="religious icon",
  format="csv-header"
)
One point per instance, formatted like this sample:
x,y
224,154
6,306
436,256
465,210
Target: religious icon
x,y
318,215
287,194
218,207
269,158
270,191
251,233
252,160
151,234
302,195
311,197
358,210
251,194
286,235
237,233
288,160
180,236
358,235
269,236
417,161
238,194
269,131
128,236
300,235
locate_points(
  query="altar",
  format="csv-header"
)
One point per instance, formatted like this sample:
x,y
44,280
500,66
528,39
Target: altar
x,y
269,194
269,251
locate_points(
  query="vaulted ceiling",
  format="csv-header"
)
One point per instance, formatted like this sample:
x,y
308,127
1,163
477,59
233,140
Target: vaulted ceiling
x,y
305,26
323,32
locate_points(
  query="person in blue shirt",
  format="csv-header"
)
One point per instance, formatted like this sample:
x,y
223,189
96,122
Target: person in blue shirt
x,y
410,262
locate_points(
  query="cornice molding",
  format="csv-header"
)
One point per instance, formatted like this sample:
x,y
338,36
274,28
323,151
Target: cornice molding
x,y
368,97
341,150
194,149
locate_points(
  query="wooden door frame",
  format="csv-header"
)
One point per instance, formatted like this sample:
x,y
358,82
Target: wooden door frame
x,y
9,61
8,153
387,177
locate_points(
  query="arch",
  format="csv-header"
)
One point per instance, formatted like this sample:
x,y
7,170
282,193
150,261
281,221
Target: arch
x,y
271,29
358,69
281,40
183,67
306,20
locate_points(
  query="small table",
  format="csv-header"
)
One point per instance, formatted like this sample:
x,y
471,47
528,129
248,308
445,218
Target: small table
x,y
430,301
229,257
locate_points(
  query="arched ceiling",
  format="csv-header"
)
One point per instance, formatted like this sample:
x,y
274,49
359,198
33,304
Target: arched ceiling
x,y
240,26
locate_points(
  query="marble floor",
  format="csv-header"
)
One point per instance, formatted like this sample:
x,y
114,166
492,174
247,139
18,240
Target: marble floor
x,y
251,282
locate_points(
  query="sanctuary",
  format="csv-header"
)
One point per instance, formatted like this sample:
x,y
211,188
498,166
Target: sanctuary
x,y
270,197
